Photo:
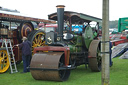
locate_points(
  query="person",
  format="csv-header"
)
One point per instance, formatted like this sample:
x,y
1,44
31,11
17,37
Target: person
x,y
26,53
110,49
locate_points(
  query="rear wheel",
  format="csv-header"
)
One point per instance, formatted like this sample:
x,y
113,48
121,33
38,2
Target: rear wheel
x,y
94,57
4,60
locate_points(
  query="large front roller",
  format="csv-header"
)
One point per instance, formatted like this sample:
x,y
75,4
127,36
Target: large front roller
x,y
49,66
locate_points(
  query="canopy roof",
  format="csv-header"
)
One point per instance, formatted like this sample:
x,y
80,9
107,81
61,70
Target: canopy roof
x,y
75,17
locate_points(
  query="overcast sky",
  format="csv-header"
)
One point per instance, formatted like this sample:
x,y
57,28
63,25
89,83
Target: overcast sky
x,y
42,8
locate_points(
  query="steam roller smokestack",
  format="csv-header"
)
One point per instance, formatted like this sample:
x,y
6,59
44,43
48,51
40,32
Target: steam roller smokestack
x,y
60,20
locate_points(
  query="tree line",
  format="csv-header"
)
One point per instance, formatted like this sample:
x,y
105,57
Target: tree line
x,y
113,24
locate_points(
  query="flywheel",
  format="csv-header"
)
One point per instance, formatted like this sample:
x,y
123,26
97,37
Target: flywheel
x,y
25,28
4,60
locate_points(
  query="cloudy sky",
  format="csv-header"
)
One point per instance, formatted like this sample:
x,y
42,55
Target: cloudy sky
x,y
41,8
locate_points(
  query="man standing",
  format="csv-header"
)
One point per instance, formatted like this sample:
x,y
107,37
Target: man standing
x,y
26,53
110,49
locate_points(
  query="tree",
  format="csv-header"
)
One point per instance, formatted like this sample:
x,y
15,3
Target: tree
x,y
113,24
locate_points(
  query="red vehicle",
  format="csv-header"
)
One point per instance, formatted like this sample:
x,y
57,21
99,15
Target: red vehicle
x,y
48,27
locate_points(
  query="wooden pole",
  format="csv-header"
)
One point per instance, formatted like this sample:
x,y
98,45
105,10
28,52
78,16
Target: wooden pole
x,y
105,43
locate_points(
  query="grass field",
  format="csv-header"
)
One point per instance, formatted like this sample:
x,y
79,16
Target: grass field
x,y
79,76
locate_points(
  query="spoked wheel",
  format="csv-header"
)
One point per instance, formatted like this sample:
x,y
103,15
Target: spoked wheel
x,y
4,61
49,66
94,57
37,38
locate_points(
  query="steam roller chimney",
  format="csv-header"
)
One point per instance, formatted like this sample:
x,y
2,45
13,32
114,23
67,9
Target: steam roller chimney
x,y
60,21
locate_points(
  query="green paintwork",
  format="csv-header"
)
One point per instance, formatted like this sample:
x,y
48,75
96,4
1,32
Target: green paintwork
x,y
88,36
122,24
76,46
73,48
77,42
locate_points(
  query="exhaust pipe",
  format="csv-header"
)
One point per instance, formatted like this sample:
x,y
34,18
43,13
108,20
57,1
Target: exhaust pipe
x,y
60,21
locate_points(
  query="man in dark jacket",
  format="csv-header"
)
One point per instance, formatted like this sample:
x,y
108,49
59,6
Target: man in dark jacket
x,y
26,53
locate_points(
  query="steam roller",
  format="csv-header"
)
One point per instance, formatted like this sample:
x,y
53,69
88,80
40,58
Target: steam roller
x,y
68,47
49,66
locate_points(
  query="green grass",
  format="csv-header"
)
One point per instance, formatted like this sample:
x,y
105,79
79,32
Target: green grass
x,y
79,76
